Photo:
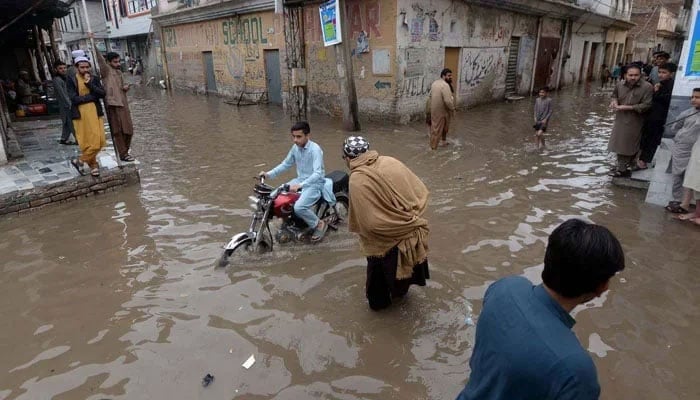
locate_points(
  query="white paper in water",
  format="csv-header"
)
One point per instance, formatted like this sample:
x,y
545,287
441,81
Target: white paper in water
x,y
249,362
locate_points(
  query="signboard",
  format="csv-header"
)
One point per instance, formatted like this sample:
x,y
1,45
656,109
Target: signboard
x,y
692,68
330,23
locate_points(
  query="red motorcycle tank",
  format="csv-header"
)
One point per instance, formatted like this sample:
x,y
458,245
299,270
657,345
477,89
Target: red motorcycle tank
x,y
284,204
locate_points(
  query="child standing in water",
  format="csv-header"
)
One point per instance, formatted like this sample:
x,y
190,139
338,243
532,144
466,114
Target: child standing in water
x,y
543,112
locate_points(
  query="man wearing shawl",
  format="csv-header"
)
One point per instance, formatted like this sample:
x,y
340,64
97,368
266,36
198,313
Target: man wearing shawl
x,y
85,92
387,203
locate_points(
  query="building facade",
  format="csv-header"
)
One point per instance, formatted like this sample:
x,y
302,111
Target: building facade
x,y
658,27
128,23
495,49
72,30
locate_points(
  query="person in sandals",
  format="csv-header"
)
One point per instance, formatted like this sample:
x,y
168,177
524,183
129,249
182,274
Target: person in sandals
x,y
118,114
387,204
687,130
308,157
85,92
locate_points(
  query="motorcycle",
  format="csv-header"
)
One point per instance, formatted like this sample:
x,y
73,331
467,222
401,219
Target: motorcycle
x,y
269,203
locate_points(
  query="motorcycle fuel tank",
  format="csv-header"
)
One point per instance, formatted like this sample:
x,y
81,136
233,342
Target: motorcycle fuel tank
x,y
284,204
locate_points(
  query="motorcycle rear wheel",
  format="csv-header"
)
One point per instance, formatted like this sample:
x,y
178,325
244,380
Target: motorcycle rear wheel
x,y
342,206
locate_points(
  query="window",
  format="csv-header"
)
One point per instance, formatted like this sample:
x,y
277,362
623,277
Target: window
x,y
105,8
137,6
123,11
75,17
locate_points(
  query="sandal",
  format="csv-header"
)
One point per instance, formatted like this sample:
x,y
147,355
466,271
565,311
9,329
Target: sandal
x,y
128,158
320,231
95,172
77,165
621,174
675,208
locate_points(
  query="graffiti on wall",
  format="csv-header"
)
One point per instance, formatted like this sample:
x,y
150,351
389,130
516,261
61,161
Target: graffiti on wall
x,y
414,86
247,32
203,34
479,64
363,17
418,21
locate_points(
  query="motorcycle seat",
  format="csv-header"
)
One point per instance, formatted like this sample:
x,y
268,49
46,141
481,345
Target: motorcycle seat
x,y
340,180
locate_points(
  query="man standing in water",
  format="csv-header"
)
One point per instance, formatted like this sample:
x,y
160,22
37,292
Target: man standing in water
x,y
118,114
524,347
631,99
440,108
85,92
387,203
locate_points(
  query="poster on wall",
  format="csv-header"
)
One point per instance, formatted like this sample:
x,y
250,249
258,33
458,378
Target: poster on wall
x,y
693,66
330,23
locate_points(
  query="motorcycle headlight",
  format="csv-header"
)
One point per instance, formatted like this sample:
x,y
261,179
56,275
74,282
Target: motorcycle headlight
x,y
253,202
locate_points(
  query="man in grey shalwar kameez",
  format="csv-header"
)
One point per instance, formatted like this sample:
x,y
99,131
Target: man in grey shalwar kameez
x,y
631,99
687,131
64,103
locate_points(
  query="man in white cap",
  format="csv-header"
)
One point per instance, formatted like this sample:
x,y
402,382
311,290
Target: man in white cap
x,y
85,92
74,54
387,206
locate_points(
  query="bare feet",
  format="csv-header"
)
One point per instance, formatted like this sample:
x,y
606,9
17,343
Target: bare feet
x,y
444,143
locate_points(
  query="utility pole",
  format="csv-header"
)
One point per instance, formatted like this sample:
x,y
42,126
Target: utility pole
x,y
346,79
91,36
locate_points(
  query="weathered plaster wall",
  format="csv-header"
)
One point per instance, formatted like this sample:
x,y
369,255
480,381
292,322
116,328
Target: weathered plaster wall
x,y
237,44
582,38
371,26
482,35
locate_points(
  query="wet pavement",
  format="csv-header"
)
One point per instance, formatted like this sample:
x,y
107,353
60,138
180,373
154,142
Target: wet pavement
x,y
45,161
117,297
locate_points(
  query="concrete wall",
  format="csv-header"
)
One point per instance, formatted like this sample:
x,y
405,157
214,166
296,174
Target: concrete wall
x,y
583,38
483,36
374,66
237,44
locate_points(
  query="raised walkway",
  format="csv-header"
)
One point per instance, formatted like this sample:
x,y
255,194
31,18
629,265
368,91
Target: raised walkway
x,y
39,172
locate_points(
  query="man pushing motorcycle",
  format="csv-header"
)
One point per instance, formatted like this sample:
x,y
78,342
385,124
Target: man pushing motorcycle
x,y
308,158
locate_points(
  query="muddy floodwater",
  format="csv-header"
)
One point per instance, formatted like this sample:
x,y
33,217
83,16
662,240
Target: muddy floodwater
x,y
117,296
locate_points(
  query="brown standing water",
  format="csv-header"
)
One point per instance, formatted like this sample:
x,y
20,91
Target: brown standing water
x,y
117,296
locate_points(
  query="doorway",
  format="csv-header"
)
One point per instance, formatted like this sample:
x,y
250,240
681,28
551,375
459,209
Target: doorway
x,y
546,57
591,62
272,73
209,71
452,62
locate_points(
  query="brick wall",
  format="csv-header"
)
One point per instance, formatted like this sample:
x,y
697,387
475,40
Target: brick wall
x,y
62,192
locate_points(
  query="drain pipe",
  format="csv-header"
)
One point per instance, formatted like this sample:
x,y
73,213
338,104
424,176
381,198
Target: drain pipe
x,y
537,50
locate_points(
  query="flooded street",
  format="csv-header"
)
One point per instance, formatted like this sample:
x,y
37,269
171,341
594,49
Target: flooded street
x,y
117,296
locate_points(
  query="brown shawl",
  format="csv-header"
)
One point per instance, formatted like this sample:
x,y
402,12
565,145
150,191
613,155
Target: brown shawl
x,y
387,203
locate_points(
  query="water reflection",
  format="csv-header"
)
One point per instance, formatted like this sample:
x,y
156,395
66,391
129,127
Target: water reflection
x,y
117,296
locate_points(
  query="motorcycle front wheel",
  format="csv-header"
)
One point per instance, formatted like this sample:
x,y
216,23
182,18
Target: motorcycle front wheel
x,y
245,246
